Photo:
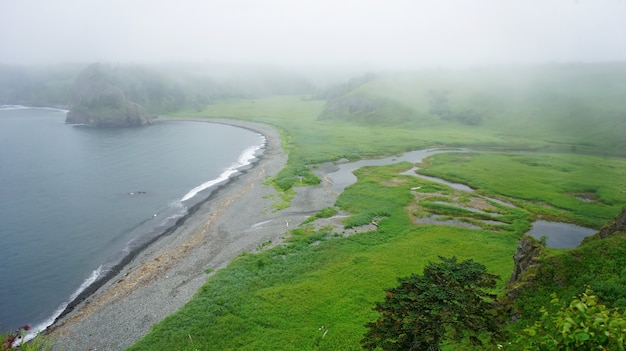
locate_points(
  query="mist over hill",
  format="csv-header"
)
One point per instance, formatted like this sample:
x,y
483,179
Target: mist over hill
x,y
48,85
559,103
158,88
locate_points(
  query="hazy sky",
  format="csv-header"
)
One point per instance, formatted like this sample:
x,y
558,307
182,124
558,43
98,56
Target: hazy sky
x,y
381,33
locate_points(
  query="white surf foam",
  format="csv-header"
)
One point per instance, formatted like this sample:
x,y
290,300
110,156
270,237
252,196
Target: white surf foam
x,y
244,159
54,109
179,210
13,107
34,331
21,107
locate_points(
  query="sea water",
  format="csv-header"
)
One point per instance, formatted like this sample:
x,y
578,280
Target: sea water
x,y
74,200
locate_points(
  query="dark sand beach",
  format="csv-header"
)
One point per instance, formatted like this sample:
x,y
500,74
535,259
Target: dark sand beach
x,y
160,279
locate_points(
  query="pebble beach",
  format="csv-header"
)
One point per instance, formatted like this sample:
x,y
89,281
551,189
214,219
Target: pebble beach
x,y
237,218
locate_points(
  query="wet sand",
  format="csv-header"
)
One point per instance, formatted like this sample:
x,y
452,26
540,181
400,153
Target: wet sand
x,y
237,218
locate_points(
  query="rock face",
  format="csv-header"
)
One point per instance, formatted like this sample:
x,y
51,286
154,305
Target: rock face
x,y
618,225
528,250
98,102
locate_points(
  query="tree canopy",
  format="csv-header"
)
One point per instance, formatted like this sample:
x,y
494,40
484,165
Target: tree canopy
x,y
448,302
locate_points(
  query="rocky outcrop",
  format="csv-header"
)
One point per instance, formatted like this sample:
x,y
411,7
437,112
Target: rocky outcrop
x,y
618,225
528,250
98,102
526,263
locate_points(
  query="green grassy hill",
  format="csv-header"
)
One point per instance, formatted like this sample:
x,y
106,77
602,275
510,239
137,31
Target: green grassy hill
x,y
577,106
278,299
552,128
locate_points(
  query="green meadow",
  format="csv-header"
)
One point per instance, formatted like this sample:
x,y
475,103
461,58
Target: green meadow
x,y
279,299
582,189
548,140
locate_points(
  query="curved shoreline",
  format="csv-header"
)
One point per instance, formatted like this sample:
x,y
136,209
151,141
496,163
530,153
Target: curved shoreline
x,y
119,266
165,274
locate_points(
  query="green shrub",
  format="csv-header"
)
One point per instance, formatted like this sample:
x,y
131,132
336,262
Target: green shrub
x,y
448,302
584,324
323,213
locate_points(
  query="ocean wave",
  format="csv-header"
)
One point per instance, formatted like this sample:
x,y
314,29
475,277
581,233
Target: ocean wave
x,y
13,107
146,230
176,210
244,159
132,240
179,210
92,278
53,109
34,331
22,107
156,224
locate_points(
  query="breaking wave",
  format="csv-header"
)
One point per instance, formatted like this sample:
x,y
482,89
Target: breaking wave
x,y
245,159
35,330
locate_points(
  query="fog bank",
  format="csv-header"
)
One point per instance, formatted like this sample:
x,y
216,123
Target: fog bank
x,y
370,33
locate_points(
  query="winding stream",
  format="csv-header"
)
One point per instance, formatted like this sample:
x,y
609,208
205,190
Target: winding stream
x,y
344,176
559,235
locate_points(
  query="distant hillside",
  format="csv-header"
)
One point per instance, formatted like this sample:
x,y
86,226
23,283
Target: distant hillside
x,y
563,104
97,101
360,108
38,85
159,89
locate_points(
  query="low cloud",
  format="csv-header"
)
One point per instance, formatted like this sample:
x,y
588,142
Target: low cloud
x,y
386,34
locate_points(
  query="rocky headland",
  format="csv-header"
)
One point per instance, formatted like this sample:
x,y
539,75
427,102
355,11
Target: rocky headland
x,y
98,102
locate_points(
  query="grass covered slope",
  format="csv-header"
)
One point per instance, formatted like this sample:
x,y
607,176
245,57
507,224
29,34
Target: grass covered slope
x,y
575,108
309,140
598,265
572,107
279,299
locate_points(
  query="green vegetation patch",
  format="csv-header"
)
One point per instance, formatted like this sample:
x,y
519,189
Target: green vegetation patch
x,y
366,201
315,292
327,212
598,265
568,107
309,140
278,300
545,184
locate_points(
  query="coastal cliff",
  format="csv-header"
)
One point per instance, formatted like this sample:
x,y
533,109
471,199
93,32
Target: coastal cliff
x,y
98,102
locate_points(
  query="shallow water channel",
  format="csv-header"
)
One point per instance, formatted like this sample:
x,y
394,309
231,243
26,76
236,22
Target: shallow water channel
x,y
559,235
344,175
